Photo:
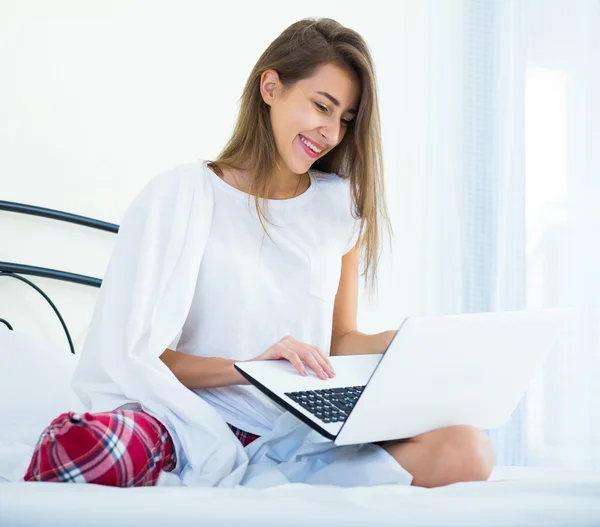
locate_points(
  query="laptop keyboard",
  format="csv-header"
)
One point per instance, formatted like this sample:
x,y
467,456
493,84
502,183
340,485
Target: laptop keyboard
x,y
331,405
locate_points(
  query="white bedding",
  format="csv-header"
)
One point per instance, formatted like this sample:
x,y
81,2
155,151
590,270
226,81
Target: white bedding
x,y
514,496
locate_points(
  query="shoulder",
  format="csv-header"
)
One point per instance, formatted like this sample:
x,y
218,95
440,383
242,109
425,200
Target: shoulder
x,y
329,181
185,175
178,200
337,201
337,193
168,187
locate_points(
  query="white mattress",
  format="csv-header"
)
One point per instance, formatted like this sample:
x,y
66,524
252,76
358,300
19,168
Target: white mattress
x,y
514,496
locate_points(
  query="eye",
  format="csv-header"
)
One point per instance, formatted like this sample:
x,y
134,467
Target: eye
x,y
322,108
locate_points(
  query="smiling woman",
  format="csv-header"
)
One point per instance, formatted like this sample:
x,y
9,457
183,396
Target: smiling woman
x,y
198,272
311,101
322,120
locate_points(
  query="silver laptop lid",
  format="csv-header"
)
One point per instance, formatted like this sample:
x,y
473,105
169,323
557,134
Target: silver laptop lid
x,y
453,369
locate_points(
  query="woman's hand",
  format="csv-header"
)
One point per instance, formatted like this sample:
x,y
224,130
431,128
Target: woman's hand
x,y
299,354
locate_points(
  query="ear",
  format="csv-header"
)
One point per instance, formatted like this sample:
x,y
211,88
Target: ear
x,y
269,85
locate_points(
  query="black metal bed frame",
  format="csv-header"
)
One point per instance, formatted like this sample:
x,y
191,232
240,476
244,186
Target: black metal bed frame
x,y
14,270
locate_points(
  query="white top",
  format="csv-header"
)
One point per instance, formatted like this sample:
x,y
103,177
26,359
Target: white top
x,y
145,299
253,291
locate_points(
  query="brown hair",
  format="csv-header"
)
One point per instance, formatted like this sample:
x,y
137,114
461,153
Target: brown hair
x,y
295,55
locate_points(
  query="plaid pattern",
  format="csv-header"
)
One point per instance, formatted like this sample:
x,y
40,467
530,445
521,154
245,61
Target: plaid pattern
x,y
245,437
122,448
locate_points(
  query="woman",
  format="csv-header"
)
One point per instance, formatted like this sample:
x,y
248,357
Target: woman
x,y
279,275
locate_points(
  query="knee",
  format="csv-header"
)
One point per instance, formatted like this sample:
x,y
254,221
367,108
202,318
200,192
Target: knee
x,y
52,455
120,448
465,453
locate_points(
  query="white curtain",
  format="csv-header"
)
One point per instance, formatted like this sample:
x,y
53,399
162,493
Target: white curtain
x,y
514,198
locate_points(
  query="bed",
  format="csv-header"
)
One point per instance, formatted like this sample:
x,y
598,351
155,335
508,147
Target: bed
x,y
514,496
35,388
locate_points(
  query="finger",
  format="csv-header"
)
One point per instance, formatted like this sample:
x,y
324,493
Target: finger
x,y
293,358
328,366
311,358
323,359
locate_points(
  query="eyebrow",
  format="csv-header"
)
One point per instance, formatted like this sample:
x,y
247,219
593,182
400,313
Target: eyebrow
x,y
336,102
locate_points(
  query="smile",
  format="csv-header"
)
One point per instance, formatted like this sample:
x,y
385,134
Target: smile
x,y
310,145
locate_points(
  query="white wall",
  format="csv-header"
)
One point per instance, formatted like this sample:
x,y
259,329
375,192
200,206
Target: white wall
x,y
96,97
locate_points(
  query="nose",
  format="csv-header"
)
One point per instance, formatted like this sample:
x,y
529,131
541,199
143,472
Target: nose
x,y
331,135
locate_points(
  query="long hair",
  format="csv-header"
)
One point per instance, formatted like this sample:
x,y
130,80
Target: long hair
x,y
295,55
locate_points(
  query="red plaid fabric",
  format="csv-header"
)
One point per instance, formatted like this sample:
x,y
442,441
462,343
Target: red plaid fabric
x,y
245,437
122,448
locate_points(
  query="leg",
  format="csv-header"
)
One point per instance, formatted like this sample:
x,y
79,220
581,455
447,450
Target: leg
x,y
122,448
444,456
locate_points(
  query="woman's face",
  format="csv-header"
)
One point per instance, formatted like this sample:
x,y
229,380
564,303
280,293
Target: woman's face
x,y
315,110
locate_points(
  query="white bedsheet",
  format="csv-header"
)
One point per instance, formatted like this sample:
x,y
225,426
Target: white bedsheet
x,y
514,496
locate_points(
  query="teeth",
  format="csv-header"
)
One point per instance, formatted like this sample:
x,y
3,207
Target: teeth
x,y
310,145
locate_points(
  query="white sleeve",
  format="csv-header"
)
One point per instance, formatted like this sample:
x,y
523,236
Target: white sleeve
x,y
173,345
353,235
348,214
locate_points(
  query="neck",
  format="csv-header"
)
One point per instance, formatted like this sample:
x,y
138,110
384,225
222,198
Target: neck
x,y
284,185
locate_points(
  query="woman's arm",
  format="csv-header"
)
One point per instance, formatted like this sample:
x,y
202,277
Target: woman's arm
x,y
357,343
202,372
345,339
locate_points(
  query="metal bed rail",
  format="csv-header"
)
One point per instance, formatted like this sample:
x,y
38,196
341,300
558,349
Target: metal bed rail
x,y
15,270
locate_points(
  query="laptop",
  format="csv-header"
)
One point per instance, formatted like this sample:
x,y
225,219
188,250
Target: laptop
x,y
438,371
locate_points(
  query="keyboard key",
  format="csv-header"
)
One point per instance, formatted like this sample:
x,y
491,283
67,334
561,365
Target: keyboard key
x,y
328,404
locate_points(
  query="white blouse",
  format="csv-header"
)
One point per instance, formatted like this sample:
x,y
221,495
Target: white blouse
x,y
253,290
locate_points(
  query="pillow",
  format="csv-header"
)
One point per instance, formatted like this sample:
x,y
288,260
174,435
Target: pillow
x,y
35,385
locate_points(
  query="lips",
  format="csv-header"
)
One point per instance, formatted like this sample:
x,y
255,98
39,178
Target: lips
x,y
319,146
307,150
